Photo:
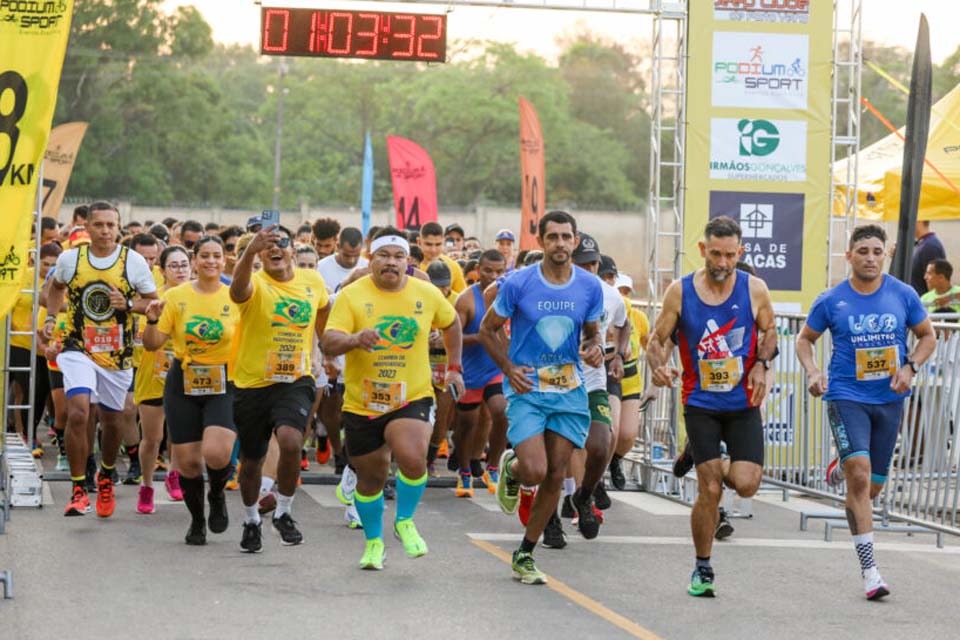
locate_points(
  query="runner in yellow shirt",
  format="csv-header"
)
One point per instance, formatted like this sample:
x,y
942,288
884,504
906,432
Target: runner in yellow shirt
x,y
431,241
382,323
281,307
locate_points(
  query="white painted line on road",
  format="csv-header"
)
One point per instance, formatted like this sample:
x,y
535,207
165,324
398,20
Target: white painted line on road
x,y
482,499
799,505
323,494
772,543
47,495
650,503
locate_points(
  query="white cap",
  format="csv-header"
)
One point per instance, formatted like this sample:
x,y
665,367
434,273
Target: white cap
x,y
623,280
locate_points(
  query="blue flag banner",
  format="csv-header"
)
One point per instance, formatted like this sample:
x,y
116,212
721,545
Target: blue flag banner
x,y
366,196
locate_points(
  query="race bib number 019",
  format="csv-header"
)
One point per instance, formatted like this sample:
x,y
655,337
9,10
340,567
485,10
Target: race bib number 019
x,y
204,380
720,375
102,339
878,363
557,378
285,367
383,397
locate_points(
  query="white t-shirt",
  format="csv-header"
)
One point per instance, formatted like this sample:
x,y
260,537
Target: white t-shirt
x,y
615,313
138,272
333,274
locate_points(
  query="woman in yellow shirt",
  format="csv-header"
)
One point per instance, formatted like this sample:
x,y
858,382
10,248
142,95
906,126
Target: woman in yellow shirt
x,y
198,319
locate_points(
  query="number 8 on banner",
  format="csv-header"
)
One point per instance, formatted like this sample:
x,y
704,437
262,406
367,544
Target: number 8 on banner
x,y
11,81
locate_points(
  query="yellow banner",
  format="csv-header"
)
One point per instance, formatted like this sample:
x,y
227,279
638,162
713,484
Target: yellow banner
x,y
62,149
758,137
33,39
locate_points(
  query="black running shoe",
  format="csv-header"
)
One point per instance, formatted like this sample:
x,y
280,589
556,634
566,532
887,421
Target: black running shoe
x,y
389,493
553,535
453,465
600,497
286,526
252,539
724,528
566,511
218,520
197,533
589,523
617,479
134,473
684,461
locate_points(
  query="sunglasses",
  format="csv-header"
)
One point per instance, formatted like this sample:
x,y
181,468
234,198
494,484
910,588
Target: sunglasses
x,y
189,244
283,242
230,247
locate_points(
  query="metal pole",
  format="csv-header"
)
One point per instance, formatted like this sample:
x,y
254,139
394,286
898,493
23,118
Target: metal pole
x,y
278,143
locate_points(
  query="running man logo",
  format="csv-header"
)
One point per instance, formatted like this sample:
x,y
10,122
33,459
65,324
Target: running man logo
x,y
200,331
291,313
758,137
719,342
397,333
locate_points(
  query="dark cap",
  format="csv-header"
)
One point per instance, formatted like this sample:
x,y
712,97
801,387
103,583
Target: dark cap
x,y
587,251
439,273
254,221
160,232
607,265
454,227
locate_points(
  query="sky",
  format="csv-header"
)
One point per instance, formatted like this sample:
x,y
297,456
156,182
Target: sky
x,y
887,21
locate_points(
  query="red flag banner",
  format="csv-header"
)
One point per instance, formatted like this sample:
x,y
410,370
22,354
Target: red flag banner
x,y
414,183
533,174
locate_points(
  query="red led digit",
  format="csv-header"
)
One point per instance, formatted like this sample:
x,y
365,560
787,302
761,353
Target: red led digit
x,y
346,25
411,35
318,31
438,23
373,34
269,30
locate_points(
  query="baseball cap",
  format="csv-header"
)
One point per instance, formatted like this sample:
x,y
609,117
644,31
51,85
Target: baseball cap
x,y
587,251
454,227
607,265
439,273
254,221
160,232
506,234
623,280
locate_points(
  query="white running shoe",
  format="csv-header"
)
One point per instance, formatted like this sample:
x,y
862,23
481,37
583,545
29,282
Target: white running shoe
x,y
351,517
348,484
873,584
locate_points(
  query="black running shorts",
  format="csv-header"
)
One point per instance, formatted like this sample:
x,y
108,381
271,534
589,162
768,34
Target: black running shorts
x,y
365,434
187,416
741,430
258,412
56,379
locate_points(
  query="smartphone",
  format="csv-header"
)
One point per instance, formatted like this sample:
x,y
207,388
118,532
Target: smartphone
x,y
269,217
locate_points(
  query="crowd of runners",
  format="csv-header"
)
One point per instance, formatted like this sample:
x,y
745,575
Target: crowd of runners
x,y
228,357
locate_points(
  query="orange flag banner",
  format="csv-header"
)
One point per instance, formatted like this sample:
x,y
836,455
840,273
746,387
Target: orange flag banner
x,y
532,173
62,149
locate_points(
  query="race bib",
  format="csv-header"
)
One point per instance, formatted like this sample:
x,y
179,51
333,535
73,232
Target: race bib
x,y
559,378
162,364
438,369
204,380
877,363
102,339
285,367
383,397
720,375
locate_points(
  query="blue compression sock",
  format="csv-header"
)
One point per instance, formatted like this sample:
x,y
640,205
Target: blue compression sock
x,y
409,493
370,509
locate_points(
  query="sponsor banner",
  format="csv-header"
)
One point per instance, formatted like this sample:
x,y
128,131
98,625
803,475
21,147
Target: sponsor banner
x,y
33,39
62,149
760,70
796,11
772,225
414,183
758,149
532,175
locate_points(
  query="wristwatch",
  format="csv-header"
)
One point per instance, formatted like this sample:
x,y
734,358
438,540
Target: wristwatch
x,y
129,305
913,365
765,363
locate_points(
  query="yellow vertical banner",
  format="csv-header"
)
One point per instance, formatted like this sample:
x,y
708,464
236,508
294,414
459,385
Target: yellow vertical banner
x,y
58,161
758,136
33,40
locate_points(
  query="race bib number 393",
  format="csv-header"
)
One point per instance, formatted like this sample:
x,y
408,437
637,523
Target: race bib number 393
x,y
720,375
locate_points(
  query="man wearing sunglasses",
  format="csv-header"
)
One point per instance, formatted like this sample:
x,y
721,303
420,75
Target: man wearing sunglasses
x,y
280,309
190,232
230,236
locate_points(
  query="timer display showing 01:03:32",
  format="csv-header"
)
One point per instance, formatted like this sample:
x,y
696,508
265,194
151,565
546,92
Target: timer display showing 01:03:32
x,y
353,34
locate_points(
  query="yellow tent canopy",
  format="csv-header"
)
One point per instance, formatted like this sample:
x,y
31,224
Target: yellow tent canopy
x,y
880,164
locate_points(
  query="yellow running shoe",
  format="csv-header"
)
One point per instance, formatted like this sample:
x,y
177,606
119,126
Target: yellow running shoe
x,y
373,555
407,533
464,485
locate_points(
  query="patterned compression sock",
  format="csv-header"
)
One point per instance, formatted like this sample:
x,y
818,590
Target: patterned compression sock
x,y
409,493
863,543
370,509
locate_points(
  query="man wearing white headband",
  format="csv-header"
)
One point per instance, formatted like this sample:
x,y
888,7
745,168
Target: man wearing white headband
x,y
382,323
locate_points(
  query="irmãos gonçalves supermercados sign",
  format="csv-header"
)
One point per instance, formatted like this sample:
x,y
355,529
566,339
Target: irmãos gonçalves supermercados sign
x,y
376,35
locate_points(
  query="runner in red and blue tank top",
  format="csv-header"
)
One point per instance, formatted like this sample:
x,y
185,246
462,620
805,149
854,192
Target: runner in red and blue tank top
x,y
722,321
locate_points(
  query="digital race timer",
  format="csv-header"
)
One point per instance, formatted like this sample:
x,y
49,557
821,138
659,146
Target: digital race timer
x,y
353,34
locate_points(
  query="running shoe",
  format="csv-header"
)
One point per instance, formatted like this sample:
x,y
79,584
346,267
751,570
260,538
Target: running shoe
x,y
464,485
617,478
525,570
145,500
79,503
286,527
161,463
106,500
600,497
701,583
37,450
587,521
508,489
407,533
347,485
684,461
172,483
267,503
323,450
62,463
196,534
234,482
575,520
304,463
389,492
352,517
526,504
490,478
219,519
835,476
724,528
134,474
373,555
252,539
90,482
566,510
453,464
553,535
432,469
443,451
873,584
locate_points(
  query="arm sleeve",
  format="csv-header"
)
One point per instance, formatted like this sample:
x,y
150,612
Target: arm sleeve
x,y
66,266
595,310
916,313
341,318
445,313
817,318
620,315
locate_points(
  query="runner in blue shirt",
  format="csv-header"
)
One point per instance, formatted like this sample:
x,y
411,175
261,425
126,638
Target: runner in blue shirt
x,y
870,374
548,305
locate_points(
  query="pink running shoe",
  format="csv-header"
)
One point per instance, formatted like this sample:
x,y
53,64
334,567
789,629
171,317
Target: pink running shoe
x,y
172,483
145,500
